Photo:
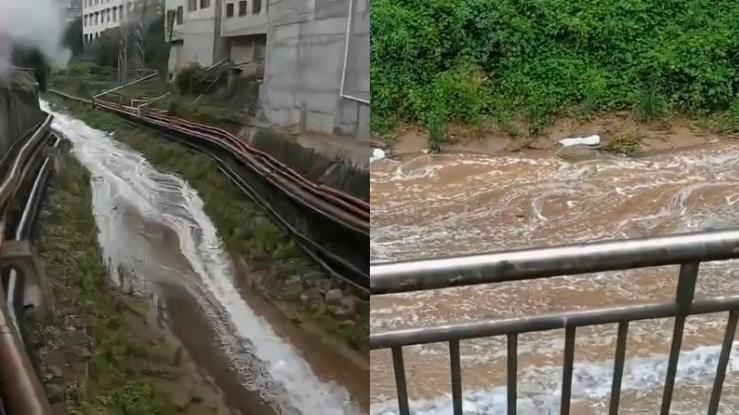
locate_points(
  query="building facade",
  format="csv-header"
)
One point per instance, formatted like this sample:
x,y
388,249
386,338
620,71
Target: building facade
x,y
72,8
316,69
312,57
101,15
193,31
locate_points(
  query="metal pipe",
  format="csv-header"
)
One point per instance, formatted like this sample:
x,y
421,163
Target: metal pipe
x,y
20,388
486,328
151,75
547,262
455,367
567,368
10,183
399,370
512,374
25,216
683,300
723,361
618,367
20,231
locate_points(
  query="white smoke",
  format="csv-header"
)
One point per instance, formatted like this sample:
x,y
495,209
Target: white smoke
x,y
32,23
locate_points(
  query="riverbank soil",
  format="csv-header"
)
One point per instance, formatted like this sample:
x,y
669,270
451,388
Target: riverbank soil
x,y
88,359
620,133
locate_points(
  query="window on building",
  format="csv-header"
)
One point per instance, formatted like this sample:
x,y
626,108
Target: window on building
x,y
192,5
96,17
120,12
242,8
107,12
256,7
180,13
230,10
115,14
204,4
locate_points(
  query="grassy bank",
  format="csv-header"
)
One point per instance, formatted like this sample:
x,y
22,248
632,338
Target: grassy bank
x,y
217,105
277,268
89,360
512,63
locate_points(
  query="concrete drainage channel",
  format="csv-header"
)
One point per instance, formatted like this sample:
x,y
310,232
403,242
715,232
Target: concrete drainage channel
x,y
287,382
192,281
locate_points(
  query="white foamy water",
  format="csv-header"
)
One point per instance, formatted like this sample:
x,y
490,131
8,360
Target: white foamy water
x,y
591,382
120,175
456,204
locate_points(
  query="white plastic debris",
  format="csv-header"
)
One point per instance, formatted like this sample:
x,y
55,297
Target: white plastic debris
x,y
591,140
377,154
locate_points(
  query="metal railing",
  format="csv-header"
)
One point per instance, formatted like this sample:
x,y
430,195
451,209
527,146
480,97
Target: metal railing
x,y
686,250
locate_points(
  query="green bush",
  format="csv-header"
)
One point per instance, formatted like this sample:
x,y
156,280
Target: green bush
x,y
650,105
536,58
191,80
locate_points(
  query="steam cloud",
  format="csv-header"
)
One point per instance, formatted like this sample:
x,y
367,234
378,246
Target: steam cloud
x,y
34,24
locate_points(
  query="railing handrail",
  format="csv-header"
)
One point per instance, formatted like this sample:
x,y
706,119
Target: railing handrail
x,y
686,250
544,322
610,255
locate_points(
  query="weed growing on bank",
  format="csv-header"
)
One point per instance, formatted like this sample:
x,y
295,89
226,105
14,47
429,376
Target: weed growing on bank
x,y
112,380
460,60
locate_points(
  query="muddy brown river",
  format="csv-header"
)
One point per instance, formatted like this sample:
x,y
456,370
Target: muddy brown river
x,y
429,206
159,243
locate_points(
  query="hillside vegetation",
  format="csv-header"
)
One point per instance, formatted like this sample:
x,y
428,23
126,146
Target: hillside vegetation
x,y
441,61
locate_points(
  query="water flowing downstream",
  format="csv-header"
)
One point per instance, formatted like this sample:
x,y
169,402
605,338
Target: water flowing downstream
x,y
431,206
158,241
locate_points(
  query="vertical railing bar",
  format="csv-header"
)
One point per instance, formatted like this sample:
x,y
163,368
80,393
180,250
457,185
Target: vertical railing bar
x,y
512,373
399,369
456,369
683,300
723,361
618,366
567,364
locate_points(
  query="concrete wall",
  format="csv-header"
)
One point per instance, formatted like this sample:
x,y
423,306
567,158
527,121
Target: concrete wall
x,y
304,67
250,24
199,35
19,110
99,16
247,53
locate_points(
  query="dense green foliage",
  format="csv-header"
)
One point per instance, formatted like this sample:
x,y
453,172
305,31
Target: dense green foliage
x,y
191,80
435,61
